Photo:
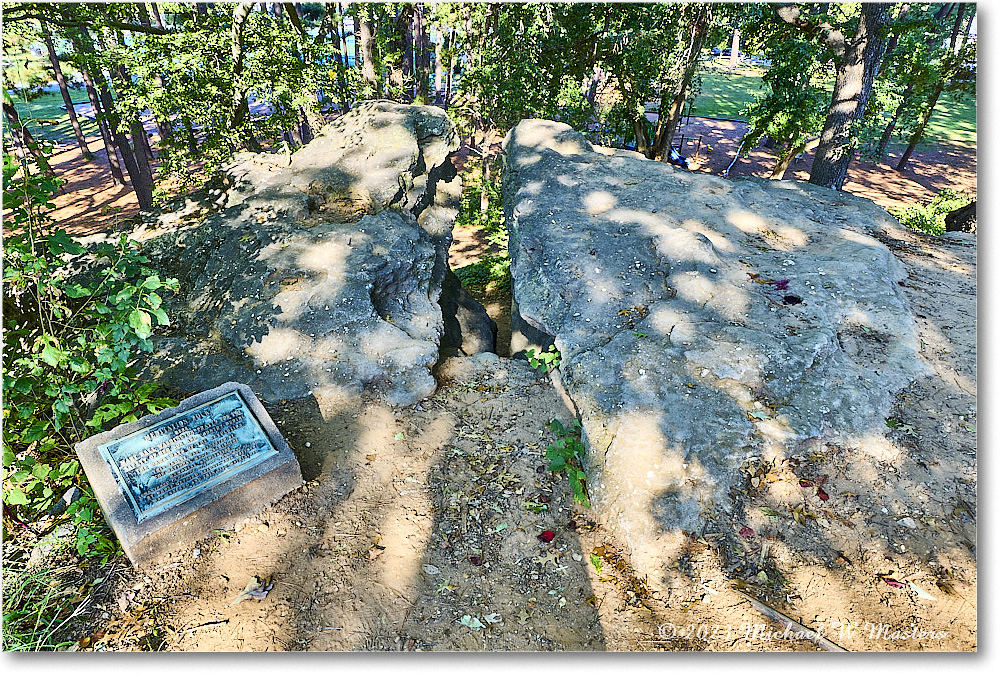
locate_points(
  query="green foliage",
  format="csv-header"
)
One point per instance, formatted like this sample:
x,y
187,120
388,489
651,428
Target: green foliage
x,y
488,278
70,340
470,213
36,604
596,561
794,104
567,455
544,361
929,218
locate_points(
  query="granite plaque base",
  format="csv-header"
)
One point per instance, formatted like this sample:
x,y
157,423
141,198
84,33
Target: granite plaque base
x,y
169,479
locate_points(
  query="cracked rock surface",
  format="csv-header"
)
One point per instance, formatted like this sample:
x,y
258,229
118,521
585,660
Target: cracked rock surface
x,y
701,322
323,270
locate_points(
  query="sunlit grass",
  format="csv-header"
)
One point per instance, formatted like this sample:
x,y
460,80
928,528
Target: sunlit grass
x,y
47,120
724,95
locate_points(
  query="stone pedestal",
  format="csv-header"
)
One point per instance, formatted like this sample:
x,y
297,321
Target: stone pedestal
x,y
167,480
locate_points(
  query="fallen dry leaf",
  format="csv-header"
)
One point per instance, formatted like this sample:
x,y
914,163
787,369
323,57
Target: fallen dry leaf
x,y
255,589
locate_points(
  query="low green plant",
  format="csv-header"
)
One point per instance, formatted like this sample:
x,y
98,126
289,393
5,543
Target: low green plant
x,y
566,455
544,361
488,278
929,218
36,604
74,322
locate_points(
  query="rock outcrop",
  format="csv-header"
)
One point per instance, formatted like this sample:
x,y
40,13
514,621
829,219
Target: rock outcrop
x,y
323,270
701,322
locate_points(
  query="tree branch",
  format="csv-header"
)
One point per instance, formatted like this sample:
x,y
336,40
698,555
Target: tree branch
x,y
830,36
293,18
14,16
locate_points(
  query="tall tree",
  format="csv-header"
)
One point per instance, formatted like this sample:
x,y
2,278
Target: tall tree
x,y
64,90
857,54
651,53
141,182
239,108
952,69
364,20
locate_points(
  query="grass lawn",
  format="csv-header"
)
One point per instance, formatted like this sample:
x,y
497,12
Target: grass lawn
x,y
725,94
49,120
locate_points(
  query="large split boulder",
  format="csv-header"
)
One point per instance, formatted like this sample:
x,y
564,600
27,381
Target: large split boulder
x,y
323,270
701,322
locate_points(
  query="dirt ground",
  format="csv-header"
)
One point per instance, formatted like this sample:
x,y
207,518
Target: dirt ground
x,y
421,528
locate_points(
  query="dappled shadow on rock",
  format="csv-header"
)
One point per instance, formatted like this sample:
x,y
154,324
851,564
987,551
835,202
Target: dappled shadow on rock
x,y
321,272
721,340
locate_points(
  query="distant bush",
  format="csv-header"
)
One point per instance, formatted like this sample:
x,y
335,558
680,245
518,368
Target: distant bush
x,y
929,217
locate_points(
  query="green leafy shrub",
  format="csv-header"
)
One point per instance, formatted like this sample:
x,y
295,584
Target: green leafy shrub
x,y
929,218
544,361
74,322
566,455
488,278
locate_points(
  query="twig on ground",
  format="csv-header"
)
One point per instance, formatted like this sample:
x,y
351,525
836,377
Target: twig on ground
x,y
792,624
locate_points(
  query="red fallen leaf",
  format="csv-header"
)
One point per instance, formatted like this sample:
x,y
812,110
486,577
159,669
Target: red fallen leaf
x,y
542,499
476,560
547,536
571,525
821,480
805,482
746,532
895,583
821,493
781,284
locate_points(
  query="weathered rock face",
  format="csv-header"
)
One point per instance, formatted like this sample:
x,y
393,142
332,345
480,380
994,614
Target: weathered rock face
x,y
324,271
701,322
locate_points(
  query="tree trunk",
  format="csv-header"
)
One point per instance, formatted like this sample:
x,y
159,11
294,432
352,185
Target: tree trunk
x,y
640,126
451,67
734,53
954,49
484,194
239,109
64,90
672,101
918,133
790,153
438,64
154,12
363,20
401,47
340,30
117,177
883,142
421,47
143,189
856,69
19,130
